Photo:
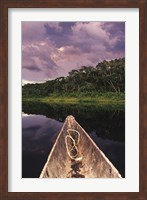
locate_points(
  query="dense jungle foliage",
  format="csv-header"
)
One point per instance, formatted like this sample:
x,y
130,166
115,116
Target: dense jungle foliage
x,y
107,76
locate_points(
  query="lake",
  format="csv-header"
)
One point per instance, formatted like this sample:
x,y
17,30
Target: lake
x,y
41,124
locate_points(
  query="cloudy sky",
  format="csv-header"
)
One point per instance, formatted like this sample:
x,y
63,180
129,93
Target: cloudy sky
x,y
52,49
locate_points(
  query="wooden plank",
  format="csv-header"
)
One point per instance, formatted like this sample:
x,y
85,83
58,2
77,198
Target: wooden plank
x,y
89,163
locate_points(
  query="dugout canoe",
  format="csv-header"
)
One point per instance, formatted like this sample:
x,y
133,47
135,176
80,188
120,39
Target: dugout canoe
x,y
75,155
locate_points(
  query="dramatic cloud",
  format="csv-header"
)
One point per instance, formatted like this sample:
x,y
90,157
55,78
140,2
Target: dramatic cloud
x,y
52,49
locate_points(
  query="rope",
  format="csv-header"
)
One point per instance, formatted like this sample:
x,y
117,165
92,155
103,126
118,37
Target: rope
x,y
71,146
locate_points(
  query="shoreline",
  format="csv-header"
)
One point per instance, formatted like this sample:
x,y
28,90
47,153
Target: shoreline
x,y
98,100
108,96
73,100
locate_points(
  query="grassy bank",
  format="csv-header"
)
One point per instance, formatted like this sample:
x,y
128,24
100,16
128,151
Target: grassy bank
x,y
99,98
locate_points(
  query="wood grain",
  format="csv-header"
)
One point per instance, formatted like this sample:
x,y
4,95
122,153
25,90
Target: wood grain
x,y
4,5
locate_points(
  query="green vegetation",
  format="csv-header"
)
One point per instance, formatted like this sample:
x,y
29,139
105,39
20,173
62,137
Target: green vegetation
x,y
104,83
98,98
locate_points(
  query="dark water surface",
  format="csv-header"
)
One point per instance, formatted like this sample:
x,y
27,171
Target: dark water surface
x,y
41,124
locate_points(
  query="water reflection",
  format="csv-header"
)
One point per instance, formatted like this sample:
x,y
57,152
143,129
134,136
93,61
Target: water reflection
x,y
38,136
107,122
114,150
43,123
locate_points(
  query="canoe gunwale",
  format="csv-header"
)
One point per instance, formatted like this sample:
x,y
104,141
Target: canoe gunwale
x,y
69,121
104,156
52,150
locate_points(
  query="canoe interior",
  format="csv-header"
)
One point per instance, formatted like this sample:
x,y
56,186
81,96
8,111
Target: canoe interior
x,y
94,163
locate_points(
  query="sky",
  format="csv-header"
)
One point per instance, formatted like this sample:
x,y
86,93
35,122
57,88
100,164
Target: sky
x,y
52,49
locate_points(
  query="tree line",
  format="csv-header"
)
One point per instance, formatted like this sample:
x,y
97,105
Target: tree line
x,y
106,76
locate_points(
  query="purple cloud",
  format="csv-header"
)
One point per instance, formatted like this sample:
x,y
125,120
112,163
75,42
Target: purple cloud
x,y
33,68
52,49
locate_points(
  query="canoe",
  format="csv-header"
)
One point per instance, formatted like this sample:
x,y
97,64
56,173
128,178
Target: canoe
x,y
75,155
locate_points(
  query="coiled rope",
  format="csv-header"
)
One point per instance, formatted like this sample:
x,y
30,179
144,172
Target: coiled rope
x,y
71,140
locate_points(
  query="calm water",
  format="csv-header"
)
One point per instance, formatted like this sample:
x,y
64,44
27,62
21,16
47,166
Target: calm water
x,y
41,123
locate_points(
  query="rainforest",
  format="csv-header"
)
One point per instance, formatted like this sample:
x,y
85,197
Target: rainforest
x,y
100,84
